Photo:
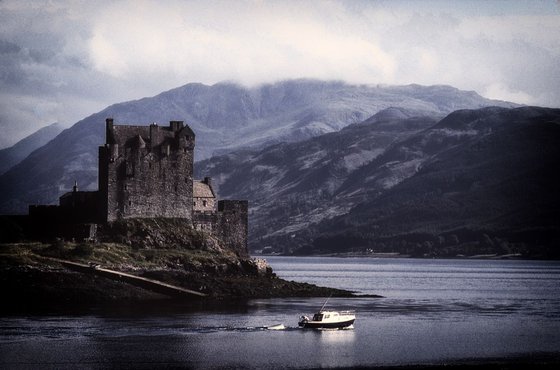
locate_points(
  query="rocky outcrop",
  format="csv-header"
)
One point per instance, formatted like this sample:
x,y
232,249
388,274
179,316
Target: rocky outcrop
x,y
33,279
157,233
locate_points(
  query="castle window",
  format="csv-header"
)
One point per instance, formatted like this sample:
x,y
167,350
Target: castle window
x,y
129,202
204,203
194,204
129,168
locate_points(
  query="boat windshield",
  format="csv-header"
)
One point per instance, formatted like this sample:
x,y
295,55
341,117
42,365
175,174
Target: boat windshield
x,y
318,317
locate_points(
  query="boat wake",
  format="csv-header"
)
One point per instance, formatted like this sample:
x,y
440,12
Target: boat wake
x,y
276,327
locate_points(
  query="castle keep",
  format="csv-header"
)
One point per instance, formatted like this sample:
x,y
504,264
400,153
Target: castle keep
x,y
147,172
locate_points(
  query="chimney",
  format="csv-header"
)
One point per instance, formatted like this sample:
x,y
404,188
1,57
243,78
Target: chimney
x,y
176,126
109,131
154,135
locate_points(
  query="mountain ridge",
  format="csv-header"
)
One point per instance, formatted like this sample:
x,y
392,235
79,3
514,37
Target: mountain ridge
x,y
480,179
225,117
11,156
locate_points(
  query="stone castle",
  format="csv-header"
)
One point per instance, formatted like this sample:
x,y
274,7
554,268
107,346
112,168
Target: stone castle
x,y
146,172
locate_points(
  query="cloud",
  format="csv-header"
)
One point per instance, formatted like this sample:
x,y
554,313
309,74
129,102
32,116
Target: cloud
x,y
245,41
479,53
61,61
542,30
253,42
22,109
501,92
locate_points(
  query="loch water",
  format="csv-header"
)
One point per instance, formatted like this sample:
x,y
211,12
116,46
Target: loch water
x,y
433,312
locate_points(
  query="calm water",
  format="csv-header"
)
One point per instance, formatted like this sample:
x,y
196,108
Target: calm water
x,y
434,311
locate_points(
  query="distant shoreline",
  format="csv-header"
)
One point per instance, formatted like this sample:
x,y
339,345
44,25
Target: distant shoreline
x,y
515,256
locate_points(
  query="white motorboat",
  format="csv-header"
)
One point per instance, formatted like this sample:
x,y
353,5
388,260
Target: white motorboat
x,y
328,320
325,319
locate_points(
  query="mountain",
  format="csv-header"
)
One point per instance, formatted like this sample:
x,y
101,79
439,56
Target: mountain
x,y
16,153
225,117
477,181
290,185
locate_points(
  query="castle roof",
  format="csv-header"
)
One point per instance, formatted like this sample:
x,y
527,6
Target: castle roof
x,y
140,143
202,190
186,131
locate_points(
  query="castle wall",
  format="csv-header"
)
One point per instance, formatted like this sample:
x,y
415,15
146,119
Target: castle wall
x,y
201,204
81,206
148,171
232,225
229,223
49,221
206,221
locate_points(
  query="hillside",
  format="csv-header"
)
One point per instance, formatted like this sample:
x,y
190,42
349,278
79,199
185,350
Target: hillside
x,y
17,152
478,181
225,117
291,186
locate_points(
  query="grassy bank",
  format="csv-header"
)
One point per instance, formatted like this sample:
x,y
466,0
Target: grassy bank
x,y
32,278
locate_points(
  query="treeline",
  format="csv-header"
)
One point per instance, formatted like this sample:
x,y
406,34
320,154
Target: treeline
x,y
535,243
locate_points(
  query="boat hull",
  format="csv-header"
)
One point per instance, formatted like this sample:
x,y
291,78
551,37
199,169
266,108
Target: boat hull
x,y
326,325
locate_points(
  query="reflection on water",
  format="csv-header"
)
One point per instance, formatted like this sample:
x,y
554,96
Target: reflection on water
x,y
333,336
433,312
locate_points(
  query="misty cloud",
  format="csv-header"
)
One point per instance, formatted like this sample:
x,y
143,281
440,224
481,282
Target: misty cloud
x,y
62,61
241,42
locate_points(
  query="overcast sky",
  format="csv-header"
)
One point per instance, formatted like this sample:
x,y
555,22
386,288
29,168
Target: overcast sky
x,y
61,61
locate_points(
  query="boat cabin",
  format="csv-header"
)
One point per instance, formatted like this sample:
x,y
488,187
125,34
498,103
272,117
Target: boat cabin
x,y
325,315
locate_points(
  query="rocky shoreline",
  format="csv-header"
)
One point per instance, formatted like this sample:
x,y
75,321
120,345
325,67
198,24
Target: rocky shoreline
x,y
33,280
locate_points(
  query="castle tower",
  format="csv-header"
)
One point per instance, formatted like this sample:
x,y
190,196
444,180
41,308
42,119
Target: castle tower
x,y
147,171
